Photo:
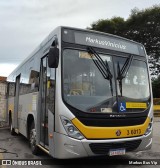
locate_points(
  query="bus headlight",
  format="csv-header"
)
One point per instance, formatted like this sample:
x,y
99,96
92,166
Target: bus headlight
x,y
149,128
71,130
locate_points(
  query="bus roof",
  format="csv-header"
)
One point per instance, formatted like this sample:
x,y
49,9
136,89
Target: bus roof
x,y
58,30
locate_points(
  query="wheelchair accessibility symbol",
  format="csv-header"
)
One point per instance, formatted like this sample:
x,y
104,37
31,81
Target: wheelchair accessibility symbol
x,y
122,107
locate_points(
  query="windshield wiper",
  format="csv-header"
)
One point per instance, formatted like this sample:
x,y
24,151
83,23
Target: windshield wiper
x,y
123,72
102,66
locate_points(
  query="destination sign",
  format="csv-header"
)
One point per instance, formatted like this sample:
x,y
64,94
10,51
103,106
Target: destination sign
x,y
102,41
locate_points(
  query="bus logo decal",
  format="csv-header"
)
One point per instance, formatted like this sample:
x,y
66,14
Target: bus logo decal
x,y
118,132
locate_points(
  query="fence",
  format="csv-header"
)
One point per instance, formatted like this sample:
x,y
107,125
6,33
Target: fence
x,y
156,110
156,107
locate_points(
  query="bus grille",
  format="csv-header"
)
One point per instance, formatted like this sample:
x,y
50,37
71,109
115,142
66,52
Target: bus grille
x,y
112,122
103,148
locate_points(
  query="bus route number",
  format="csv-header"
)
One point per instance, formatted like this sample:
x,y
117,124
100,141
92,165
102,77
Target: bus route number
x,y
134,132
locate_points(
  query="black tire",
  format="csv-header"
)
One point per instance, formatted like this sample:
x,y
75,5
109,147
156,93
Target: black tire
x,y
12,131
32,139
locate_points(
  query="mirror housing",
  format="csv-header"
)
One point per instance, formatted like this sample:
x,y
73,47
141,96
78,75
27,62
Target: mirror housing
x,y
53,57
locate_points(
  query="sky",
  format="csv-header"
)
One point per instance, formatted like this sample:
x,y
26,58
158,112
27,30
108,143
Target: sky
x,y
25,23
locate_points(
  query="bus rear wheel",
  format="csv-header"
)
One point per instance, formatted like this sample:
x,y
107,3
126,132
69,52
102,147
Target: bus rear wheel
x,y
32,139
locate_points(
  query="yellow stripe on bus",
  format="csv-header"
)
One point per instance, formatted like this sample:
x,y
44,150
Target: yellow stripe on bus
x,y
91,132
11,107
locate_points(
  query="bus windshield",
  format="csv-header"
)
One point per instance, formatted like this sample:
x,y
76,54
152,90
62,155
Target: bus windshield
x,y
86,89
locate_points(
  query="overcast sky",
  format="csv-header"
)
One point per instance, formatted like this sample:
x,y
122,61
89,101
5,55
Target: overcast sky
x,y
25,23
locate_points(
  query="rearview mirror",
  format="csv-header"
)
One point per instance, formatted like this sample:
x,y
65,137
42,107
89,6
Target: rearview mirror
x,y
53,57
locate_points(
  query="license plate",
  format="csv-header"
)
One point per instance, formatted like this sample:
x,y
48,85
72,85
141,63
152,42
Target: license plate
x,y
113,152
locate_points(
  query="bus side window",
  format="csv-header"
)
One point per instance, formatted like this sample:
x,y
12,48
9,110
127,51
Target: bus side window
x,y
34,80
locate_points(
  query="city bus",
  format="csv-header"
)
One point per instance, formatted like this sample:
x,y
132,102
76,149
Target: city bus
x,y
82,93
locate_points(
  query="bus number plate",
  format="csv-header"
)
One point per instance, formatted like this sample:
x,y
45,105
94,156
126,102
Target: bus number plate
x,y
134,132
114,152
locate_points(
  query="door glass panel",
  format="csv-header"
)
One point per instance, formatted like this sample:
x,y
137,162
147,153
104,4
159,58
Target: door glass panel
x,y
16,101
47,98
43,99
51,90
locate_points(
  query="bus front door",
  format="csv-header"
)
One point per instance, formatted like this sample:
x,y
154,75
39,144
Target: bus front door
x,y
47,91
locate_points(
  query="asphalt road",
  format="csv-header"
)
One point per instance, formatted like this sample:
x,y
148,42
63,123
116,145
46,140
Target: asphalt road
x,y
17,147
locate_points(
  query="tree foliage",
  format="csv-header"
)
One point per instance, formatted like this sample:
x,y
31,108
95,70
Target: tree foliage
x,y
142,26
115,25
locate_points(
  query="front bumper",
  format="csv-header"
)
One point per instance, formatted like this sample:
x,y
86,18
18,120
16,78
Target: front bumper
x,y
67,147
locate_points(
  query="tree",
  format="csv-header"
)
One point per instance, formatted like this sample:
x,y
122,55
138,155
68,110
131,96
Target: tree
x,y
142,26
115,25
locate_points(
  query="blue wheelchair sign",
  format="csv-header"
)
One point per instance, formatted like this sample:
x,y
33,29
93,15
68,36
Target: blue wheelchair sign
x,y
122,107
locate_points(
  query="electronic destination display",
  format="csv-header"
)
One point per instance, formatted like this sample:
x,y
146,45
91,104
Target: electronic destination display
x,y
102,41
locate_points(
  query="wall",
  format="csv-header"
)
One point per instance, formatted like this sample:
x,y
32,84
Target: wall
x,y
3,89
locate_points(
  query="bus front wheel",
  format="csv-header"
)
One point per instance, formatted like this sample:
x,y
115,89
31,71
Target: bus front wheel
x,y
32,139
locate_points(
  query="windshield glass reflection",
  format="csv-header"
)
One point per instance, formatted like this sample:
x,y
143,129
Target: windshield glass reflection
x,y
86,89
84,86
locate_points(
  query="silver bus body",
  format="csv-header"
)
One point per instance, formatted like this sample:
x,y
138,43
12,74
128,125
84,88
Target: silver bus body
x,y
24,108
